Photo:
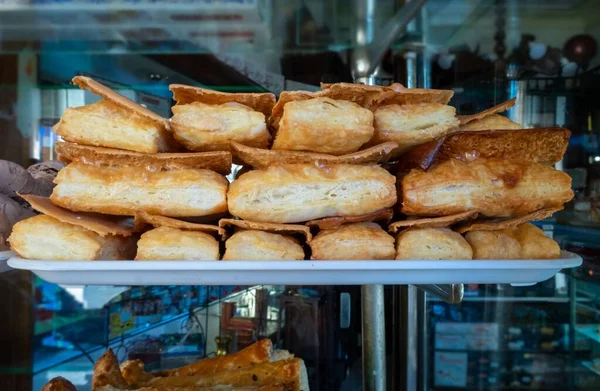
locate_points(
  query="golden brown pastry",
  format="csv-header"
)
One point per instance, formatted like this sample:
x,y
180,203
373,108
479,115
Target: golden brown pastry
x,y
255,245
526,241
324,125
353,241
493,245
301,192
44,237
491,122
114,121
494,187
126,190
165,243
432,243
203,127
59,384
413,124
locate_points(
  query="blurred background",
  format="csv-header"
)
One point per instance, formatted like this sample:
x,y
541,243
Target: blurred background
x,y
544,52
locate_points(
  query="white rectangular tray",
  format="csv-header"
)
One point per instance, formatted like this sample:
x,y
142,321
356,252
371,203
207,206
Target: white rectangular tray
x,y
523,272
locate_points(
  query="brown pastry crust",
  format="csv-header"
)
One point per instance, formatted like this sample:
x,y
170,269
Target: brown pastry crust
x,y
492,122
535,244
165,243
493,245
252,245
127,190
101,224
494,187
264,158
538,145
383,215
86,83
143,219
302,192
218,161
289,371
432,243
107,373
433,222
465,119
59,384
262,102
324,125
288,229
513,222
357,241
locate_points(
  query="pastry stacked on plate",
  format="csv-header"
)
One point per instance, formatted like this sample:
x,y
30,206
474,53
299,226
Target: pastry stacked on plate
x,y
255,368
312,166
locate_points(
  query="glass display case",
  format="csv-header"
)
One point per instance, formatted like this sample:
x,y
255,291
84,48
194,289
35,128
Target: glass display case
x,y
351,337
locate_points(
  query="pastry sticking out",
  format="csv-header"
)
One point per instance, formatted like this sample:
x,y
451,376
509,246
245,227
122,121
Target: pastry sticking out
x,y
383,215
107,375
494,187
526,241
301,192
264,158
360,241
206,120
143,219
433,222
44,237
264,241
127,190
538,145
218,161
324,125
59,384
432,243
492,122
413,124
513,222
165,243
465,119
114,121
255,245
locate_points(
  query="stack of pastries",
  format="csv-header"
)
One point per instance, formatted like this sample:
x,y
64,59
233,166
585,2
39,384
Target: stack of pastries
x,y
316,183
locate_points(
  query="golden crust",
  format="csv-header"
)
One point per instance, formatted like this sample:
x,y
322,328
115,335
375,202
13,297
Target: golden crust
x,y
216,161
302,192
44,237
535,244
383,215
127,190
263,158
288,229
106,124
539,145
143,219
496,224
358,241
257,353
433,222
251,245
165,243
465,119
413,124
324,125
494,187
262,102
133,372
202,127
59,384
288,371
107,373
492,122
493,245
101,224
101,90
432,243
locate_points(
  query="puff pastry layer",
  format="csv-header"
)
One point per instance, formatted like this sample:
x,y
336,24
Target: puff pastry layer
x,y
301,192
262,246
353,241
494,187
125,190
432,243
165,243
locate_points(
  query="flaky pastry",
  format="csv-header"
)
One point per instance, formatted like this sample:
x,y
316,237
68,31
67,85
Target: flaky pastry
x,y
364,241
255,245
432,243
165,243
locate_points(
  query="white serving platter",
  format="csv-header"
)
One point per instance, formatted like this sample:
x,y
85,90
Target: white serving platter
x,y
4,256
523,272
